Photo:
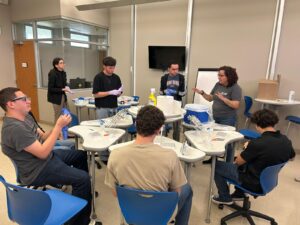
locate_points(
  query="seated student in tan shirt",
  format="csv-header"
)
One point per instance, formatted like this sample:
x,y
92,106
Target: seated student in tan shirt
x,y
147,166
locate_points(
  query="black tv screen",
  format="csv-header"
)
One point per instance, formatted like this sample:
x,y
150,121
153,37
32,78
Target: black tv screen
x,y
161,56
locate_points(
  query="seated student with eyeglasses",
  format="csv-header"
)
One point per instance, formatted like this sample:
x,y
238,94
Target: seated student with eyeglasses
x,y
37,164
270,149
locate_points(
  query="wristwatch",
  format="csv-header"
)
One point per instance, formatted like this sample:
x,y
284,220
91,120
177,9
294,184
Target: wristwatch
x,y
201,92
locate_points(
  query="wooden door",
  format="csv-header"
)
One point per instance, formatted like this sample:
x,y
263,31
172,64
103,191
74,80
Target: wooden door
x,y
26,73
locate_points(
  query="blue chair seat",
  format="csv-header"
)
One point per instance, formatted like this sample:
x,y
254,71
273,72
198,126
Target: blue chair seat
x,y
268,181
293,119
27,206
250,134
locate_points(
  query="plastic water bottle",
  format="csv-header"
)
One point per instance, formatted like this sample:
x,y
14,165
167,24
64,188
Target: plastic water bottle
x,y
152,98
64,130
291,96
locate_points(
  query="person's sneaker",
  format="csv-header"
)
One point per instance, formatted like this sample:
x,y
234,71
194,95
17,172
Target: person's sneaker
x,y
297,179
218,200
237,196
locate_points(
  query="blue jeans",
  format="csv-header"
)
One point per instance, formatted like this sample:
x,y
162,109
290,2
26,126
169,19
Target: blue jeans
x,y
64,145
230,121
225,171
69,168
184,205
103,113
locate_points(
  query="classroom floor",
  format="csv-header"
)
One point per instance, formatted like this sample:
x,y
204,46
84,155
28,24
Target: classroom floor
x,y
281,203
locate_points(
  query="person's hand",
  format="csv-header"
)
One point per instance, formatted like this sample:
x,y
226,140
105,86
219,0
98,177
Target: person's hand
x,y
68,90
197,90
63,120
121,89
245,144
220,96
114,92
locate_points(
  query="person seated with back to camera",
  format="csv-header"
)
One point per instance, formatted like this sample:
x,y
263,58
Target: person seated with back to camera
x,y
148,166
270,149
36,162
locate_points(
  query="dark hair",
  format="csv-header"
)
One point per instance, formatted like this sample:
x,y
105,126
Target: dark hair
x,y
231,75
172,63
56,61
109,61
6,95
148,120
264,118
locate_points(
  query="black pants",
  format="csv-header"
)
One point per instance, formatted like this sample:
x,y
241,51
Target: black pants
x,y
59,171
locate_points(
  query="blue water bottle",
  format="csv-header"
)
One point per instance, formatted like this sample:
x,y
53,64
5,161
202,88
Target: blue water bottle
x,y
65,111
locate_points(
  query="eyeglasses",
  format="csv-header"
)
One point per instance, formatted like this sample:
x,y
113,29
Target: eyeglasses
x,y
23,98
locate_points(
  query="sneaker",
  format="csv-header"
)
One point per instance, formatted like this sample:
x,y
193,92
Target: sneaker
x,y
237,196
218,200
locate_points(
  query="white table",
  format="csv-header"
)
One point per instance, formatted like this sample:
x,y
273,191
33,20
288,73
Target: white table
x,y
191,155
96,139
123,123
213,144
214,126
277,102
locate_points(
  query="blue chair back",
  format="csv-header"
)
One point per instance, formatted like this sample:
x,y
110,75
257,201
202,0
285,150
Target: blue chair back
x,y
248,105
146,207
269,177
74,121
26,206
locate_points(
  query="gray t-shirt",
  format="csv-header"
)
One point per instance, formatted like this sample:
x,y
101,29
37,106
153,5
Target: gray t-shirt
x,y
17,135
220,109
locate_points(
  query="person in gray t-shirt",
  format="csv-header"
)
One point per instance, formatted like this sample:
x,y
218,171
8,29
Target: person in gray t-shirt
x,y
32,152
226,96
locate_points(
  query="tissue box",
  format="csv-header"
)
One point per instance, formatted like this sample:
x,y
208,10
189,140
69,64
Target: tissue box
x,y
268,89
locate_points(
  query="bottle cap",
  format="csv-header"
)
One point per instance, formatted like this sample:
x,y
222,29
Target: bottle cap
x,y
152,90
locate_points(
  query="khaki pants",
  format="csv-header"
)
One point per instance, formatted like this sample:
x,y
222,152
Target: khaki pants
x,y
57,108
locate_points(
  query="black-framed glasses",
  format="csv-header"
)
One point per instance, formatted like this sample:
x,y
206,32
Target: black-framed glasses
x,y
23,98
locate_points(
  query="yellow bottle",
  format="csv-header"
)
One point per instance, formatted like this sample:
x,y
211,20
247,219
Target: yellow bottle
x,y
152,98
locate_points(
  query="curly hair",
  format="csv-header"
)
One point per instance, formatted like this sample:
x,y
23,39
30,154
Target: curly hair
x,y
231,75
264,118
149,119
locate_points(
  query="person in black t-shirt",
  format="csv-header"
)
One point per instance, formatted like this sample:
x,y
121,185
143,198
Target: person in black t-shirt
x,y
107,87
270,149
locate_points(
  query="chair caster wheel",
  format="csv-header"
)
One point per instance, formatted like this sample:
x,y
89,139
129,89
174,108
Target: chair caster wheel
x,y
223,223
274,223
221,206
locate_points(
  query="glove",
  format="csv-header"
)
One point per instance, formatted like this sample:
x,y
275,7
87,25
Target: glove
x,y
114,92
170,91
121,89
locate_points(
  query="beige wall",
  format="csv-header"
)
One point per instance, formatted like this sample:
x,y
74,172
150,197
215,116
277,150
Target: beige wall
x,y
31,9
99,16
288,65
6,50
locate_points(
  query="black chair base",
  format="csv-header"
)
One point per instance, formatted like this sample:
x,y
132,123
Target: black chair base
x,y
246,212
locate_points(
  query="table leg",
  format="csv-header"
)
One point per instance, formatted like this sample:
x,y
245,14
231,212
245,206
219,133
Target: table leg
x,y
94,215
187,170
212,176
176,130
76,142
88,111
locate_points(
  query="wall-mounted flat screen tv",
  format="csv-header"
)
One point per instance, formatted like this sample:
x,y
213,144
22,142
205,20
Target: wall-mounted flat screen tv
x,y
161,56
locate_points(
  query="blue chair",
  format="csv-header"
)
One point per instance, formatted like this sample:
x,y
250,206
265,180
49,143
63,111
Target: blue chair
x,y
249,134
136,98
146,207
268,181
248,104
27,206
74,121
292,119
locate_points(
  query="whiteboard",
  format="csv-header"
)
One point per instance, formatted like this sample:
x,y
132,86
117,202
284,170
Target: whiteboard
x,y
206,80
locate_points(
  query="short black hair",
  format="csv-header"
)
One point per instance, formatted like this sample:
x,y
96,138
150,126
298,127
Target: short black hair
x,y
56,61
231,75
6,95
109,61
149,119
264,118
172,63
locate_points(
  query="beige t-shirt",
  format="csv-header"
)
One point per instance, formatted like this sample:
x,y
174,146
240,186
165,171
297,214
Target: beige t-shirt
x,y
146,167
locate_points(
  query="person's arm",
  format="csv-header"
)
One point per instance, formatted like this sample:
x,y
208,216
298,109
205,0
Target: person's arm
x,y
43,150
101,94
207,97
181,88
178,190
163,86
231,103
